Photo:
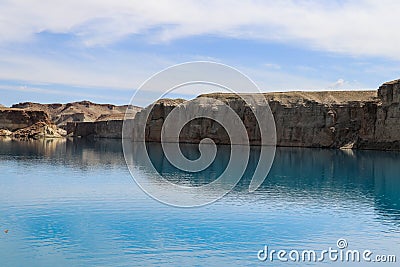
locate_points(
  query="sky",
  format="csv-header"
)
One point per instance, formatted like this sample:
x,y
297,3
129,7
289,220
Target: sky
x,y
55,51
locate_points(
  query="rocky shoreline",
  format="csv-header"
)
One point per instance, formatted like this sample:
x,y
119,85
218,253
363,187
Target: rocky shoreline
x,y
329,119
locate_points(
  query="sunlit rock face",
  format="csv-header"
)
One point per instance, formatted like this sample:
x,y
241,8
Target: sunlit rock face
x,y
14,119
27,124
83,111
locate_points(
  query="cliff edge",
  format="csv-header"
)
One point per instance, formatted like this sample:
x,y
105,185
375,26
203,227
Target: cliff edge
x,y
327,119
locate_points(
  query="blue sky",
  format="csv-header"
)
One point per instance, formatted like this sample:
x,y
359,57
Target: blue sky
x,y
61,51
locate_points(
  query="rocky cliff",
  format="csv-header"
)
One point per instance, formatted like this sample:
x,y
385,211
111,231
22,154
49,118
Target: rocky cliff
x,y
14,119
98,129
34,120
331,119
83,111
27,124
325,119
386,130
305,119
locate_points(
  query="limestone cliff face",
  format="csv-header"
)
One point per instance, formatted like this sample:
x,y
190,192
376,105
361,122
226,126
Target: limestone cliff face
x,y
34,120
14,119
38,130
98,129
331,119
304,119
387,125
27,124
83,111
316,124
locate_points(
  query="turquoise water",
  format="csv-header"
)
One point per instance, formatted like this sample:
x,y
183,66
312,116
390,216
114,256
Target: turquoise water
x,y
74,203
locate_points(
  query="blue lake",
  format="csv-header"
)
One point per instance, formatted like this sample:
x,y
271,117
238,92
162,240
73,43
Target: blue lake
x,y
74,203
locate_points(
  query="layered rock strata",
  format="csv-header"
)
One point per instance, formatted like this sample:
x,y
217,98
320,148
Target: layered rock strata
x,y
331,119
13,119
83,111
27,124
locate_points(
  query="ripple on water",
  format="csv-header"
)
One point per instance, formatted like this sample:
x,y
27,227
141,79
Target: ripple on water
x,y
80,207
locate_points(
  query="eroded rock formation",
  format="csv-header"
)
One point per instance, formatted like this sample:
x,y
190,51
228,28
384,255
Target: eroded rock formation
x,y
34,120
27,124
331,119
13,119
39,130
83,111
98,129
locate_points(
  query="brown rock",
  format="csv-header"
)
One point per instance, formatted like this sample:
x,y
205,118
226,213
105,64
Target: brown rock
x,y
4,132
37,131
83,111
13,119
330,119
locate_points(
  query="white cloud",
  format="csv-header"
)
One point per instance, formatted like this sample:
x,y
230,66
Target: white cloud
x,y
355,28
342,84
29,89
280,81
272,66
113,70
339,83
364,27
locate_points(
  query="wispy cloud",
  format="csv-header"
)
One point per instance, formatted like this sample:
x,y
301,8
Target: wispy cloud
x,y
350,27
113,46
112,69
273,66
38,90
283,81
339,83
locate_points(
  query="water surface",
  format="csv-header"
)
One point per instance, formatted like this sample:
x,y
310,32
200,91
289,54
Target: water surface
x,y
74,203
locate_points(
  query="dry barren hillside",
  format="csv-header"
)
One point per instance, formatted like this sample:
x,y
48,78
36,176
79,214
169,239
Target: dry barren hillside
x,y
84,111
299,97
